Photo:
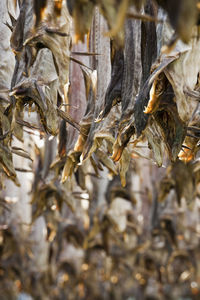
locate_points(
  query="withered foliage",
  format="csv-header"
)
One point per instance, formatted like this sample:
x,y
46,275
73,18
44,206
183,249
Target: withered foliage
x,y
99,149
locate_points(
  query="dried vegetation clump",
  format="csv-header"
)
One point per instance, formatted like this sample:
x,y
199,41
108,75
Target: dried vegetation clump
x,y
99,149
